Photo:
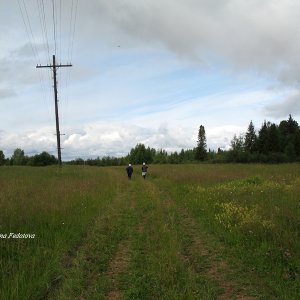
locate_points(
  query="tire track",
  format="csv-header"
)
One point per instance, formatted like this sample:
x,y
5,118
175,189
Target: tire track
x,y
118,266
100,256
216,269
199,250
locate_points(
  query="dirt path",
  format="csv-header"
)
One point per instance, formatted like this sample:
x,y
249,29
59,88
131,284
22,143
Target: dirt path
x,y
91,268
145,245
117,266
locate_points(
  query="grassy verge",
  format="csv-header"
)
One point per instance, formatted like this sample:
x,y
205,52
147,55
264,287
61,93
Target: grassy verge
x,y
58,207
253,213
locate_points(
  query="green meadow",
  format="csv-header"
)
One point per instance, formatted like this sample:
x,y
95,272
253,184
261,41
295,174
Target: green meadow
x,y
198,231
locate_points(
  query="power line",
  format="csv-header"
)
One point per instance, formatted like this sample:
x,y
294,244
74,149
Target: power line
x,y
70,30
42,20
54,24
45,30
72,27
28,30
43,23
60,2
31,39
73,20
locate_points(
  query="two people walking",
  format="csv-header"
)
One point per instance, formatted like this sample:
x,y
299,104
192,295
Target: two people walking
x,y
129,170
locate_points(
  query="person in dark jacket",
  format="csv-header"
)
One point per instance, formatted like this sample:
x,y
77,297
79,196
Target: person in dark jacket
x,y
129,171
144,170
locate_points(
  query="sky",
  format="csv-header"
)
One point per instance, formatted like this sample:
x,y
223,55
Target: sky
x,y
146,72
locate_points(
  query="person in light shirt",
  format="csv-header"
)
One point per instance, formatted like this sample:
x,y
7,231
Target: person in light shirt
x,y
144,170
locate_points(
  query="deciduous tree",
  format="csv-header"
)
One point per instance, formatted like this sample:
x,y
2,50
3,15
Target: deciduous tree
x,y
18,157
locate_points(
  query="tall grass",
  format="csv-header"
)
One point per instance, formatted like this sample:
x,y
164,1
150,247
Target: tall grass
x,y
251,209
57,206
96,233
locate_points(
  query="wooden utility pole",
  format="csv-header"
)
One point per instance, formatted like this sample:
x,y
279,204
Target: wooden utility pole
x,y
54,67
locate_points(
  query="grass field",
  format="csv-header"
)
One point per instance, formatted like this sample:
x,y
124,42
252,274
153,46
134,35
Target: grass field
x,y
186,232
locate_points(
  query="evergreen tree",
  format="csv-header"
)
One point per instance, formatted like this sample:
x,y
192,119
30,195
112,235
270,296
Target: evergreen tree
x,y
181,155
283,133
273,139
201,151
160,157
190,154
292,125
293,134
263,139
250,139
290,151
137,154
289,134
2,158
297,143
149,154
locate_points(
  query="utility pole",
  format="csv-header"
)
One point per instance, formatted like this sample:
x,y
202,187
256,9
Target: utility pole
x,y
54,67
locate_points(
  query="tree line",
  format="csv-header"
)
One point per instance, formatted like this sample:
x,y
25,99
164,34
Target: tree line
x,y
272,143
139,154
19,158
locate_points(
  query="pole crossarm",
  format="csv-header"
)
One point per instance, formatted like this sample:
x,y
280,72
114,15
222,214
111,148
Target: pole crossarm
x,y
56,66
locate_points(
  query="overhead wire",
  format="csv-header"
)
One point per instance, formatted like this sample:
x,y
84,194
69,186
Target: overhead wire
x,y
31,38
47,40
73,32
60,90
28,30
57,21
72,27
43,22
60,19
54,24
42,18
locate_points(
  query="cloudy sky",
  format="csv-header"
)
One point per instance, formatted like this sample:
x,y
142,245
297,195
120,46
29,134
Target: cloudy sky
x,y
145,72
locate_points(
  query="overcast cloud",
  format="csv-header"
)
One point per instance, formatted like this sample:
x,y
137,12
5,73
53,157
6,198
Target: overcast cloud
x,y
149,72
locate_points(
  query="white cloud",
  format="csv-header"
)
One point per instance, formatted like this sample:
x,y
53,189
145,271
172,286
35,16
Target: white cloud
x,y
290,105
100,139
31,142
220,137
248,34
